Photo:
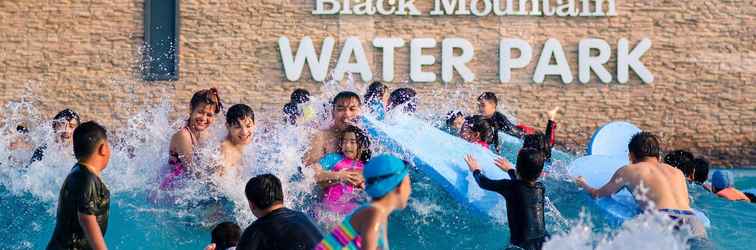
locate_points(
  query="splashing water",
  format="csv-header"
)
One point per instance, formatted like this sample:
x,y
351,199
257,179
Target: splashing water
x,y
433,220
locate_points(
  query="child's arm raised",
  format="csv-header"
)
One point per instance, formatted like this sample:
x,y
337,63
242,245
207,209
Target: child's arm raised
x,y
483,181
505,165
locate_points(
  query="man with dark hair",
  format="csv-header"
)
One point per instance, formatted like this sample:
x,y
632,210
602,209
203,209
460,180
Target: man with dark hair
x,y
84,201
655,185
346,107
276,227
524,195
63,125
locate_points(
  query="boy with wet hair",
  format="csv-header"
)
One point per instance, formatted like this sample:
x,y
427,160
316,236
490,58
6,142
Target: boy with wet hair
x,y
84,200
224,236
524,195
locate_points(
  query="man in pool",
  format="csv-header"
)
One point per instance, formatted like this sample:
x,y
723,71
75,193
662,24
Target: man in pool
x,y
84,201
276,227
346,109
655,185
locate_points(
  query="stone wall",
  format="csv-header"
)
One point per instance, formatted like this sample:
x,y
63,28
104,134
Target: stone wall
x,y
85,55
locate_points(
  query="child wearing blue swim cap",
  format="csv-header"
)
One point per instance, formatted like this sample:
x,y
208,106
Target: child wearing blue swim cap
x,y
388,185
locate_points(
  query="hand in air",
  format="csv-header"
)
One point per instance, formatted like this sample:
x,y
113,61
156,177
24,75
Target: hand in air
x,y
552,114
210,247
472,163
503,164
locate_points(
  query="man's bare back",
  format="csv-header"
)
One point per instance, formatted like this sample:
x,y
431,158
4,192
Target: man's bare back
x,y
653,184
657,185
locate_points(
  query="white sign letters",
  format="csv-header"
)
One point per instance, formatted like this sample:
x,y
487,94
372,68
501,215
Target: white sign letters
x,y
456,53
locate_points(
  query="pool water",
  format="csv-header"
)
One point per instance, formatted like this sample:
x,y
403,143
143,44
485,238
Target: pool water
x,y
433,220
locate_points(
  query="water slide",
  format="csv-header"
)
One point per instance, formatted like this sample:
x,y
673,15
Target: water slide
x,y
607,152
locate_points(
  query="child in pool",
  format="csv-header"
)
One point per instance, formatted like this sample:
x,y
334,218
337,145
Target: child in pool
x,y
204,107
524,195
225,236
337,170
63,125
388,185
403,97
377,99
487,104
240,123
477,130
297,111
722,184
454,121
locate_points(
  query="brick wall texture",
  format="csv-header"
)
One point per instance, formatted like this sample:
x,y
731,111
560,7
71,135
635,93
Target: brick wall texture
x,y
85,55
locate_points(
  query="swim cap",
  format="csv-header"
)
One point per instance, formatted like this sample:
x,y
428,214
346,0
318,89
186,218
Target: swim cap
x,y
383,174
721,179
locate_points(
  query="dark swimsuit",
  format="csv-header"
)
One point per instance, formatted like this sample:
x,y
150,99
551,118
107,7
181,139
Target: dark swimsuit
x,y
525,208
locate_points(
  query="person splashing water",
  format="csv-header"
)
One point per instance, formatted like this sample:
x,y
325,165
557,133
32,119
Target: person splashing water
x,y
240,123
345,110
204,106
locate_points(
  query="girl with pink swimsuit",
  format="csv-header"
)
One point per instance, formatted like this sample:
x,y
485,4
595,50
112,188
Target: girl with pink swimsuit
x,y
204,106
340,191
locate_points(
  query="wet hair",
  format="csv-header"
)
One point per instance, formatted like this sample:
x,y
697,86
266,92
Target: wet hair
x,y
644,144
701,173
537,140
86,138
206,97
530,163
363,142
453,115
476,123
401,96
264,191
490,97
343,95
678,158
22,130
238,112
67,115
375,90
299,96
225,235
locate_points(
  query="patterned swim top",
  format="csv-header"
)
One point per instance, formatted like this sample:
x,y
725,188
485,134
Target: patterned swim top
x,y
345,237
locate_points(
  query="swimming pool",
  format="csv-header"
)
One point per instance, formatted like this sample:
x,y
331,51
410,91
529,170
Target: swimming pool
x,y
432,221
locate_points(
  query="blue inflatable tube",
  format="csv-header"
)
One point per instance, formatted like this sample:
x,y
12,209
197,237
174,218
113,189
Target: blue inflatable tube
x,y
441,157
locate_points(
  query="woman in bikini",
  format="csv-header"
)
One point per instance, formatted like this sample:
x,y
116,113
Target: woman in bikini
x,y
204,107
